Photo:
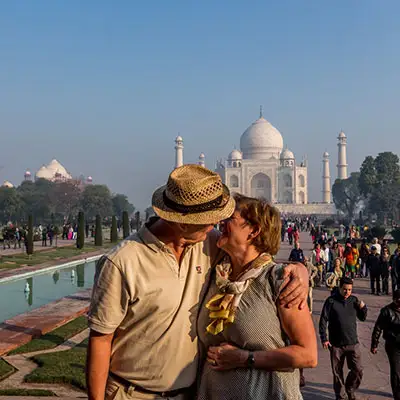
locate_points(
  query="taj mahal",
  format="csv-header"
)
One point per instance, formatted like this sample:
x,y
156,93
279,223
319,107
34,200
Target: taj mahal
x,y
263,167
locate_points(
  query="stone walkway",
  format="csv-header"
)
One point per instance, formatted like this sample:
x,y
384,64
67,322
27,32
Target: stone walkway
x,y
375,384
25,366
22,328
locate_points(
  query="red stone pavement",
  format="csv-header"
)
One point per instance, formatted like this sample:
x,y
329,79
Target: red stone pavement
x,y
22,328
375,384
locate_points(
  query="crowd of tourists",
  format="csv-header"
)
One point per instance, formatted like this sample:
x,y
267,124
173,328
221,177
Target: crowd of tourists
x,y
336,266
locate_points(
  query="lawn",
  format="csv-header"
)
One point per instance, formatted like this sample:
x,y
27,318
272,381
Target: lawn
x,y
40,257
5,369
61,367
26,392
54,338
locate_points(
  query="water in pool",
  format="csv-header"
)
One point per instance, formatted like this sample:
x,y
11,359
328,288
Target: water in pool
x,y
24,295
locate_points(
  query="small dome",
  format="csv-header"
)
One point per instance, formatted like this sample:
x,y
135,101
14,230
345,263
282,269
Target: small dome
x,y
27,173
56,168
202,155
235,155
326,154
179,139
287,155
89,179
342,134
8,184
261,140
44,173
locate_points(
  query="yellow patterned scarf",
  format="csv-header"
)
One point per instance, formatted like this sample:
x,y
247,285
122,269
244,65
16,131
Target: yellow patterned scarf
x,y
223,305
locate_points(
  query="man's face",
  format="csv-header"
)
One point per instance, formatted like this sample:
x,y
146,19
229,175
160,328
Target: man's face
x,y
346,290
297,245
196,233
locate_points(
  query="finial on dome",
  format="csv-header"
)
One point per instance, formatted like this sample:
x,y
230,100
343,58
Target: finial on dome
x,y
261,111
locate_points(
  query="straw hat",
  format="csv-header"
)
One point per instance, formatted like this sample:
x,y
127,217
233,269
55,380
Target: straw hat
x,y
193,195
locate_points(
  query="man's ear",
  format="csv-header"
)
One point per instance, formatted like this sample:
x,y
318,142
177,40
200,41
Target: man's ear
x,y
255,232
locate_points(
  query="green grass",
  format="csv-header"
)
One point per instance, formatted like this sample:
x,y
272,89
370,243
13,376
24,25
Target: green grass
x,y
54,338
40,257
5,369
61,367
26,392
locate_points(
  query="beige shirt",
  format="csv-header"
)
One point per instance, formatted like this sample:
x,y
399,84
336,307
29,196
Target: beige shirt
x,y
150,303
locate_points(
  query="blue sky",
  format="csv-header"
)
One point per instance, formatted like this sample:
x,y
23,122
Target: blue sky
x,y
105,87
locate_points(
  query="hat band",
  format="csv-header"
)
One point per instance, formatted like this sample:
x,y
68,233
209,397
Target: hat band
x,y
181,208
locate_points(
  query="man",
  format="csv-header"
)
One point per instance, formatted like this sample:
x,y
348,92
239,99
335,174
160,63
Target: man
x,y
378,247
389,323
374,267
296,254
143,313
395,269
340,313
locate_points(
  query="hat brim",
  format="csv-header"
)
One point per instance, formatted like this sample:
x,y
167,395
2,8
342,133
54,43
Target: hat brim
x,y
198,218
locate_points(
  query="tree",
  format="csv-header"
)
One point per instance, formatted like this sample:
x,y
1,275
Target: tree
x,y
10,204
120,203
96,199
29,236
114,230
148,212
80,239
98,237
346,194
137,220
125,224
379,182
64,198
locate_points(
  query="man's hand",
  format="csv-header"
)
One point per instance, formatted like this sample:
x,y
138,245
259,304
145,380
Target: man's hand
x,y
295,286
226,356
361,305
326,345
374,350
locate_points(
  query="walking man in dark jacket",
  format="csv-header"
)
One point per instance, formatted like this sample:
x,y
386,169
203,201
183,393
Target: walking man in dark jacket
x,y
297,254
388,322
375,271
339,314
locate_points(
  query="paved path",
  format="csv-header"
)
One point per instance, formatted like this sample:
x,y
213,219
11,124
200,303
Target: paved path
x,y
375,384
22,328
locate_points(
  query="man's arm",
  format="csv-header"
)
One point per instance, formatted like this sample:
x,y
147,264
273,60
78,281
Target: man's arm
x,y
291,258
362,310
294,289
323,322
97,364
376,333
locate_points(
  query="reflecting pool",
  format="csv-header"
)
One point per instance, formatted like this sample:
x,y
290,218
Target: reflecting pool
x,y
20,296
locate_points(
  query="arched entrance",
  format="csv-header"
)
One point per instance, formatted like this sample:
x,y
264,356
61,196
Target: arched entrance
x,y
261,186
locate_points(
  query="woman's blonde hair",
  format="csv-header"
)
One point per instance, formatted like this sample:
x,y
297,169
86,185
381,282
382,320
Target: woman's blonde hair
x,y
259,213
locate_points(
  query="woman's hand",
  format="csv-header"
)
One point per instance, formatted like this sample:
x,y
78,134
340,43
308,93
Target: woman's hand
x,y
294,289
226,357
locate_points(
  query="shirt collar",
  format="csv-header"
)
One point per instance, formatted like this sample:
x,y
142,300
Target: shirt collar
x,y
149,239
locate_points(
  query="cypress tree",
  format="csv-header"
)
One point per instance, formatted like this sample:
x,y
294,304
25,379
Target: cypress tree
x,y
114,230
125,224
29,236
98,237
80,239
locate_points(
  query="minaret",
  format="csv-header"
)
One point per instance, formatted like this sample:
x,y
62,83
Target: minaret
x,y
202,160
326,179
342,156
178,152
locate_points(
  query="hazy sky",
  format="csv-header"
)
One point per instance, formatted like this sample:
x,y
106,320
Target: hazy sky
x,y
105,86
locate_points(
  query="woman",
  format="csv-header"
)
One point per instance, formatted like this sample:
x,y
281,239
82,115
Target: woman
x,y
351,258
333,278
318,260
389,322
254,346
384,267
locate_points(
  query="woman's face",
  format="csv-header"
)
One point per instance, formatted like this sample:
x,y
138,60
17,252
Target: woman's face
x,y
385,252
236,233
337,264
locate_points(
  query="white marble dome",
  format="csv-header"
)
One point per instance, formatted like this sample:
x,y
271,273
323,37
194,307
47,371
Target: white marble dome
x,y
235,155
44,173
342,134
8,184
287,155
325,155
57,169
261,140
